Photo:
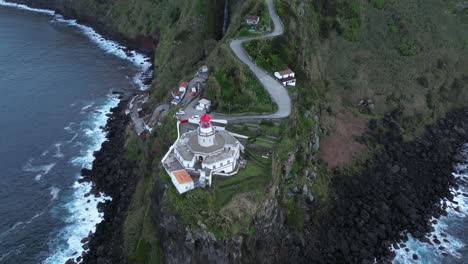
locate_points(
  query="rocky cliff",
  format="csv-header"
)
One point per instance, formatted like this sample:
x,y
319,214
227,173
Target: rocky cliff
x,y
372,75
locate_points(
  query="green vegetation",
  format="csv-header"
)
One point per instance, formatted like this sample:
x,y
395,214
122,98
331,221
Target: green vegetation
x,y
234,88
321,185
359,112
406,55
219,208
379,4
140,232
134,152
295,216
349,19
267,54
265,25
409,47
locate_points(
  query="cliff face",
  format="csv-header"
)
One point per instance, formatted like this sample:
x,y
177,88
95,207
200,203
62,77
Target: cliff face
x,y
378,69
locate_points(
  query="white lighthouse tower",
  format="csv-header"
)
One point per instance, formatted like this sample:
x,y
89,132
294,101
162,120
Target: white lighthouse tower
x,y
206,132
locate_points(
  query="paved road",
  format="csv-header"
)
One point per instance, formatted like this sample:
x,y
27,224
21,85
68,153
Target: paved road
x,y
278,92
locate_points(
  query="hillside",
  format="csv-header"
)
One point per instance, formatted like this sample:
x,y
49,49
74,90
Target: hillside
x,y
379,83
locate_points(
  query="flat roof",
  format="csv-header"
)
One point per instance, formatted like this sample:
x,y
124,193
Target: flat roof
x,y
182,176
219,157
204,101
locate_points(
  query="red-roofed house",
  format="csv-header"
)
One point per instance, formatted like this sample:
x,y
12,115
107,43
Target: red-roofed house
x,y
252,20
183,85
182,181
286,77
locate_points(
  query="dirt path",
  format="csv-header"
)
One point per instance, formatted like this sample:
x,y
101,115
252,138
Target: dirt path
x,y
341,147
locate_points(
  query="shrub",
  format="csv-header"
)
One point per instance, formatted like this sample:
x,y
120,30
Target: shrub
x,y
379,4
409,47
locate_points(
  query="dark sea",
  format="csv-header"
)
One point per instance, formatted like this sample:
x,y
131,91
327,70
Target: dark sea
x,y
56,84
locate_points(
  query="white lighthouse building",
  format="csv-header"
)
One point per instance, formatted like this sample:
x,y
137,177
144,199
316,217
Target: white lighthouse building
x,y
208,151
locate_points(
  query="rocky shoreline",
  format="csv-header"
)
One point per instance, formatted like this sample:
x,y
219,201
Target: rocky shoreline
x,y
113,175
397,194
142,44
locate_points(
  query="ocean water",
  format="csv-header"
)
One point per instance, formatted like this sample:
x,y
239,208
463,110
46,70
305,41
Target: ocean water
x,y
451,231
56,83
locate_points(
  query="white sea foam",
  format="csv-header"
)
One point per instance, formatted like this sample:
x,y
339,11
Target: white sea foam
x,y
42,169
19,224
87,107
24,7
73,138
95,133
83,216
69,128
58,152
142,62
449,244
54,192
34,217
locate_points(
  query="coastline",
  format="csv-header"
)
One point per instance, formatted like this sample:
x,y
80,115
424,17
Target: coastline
x,y
137,52
103,187
113,175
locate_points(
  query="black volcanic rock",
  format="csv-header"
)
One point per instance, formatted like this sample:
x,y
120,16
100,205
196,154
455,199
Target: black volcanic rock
x,y
112,175
398,193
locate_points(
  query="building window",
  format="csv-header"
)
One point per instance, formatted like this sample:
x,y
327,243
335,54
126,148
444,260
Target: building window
x,y
229,161
221,164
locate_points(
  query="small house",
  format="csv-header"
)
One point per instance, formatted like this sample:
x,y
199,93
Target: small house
x,y
252,20
204,69
204,104
183,86
182,181
180,93
196,88
286,77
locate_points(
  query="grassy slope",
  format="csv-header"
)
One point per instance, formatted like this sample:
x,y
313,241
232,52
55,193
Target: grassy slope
x,y
343,51
398,53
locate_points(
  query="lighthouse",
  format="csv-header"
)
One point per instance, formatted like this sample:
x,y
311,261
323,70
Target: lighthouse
x,y
206,132
203,152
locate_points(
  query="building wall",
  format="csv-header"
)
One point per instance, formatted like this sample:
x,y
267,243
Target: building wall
x,y
182,188
228,165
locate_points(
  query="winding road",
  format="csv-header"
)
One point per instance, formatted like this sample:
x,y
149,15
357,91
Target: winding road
x,y
278,92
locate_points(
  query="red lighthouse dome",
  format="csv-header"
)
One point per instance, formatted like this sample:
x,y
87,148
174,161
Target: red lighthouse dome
x,y
205,118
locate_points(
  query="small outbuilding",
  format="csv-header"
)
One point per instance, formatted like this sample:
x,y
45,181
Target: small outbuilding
x,y
252,20
182,181
204,69
204,104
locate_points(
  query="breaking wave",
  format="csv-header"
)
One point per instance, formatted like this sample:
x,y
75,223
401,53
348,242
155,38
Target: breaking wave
x,y
82,212
445,244
25,7
142,62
